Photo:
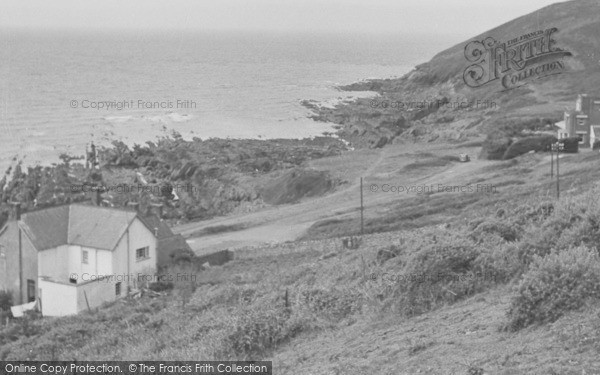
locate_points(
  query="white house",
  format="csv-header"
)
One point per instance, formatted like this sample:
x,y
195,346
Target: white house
x,y
74,257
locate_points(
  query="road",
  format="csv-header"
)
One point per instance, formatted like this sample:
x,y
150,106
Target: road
x,y
288,222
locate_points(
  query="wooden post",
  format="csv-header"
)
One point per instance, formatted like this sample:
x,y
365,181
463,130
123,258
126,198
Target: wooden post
x,y
86,301
364,268
557,171
551,162
362,226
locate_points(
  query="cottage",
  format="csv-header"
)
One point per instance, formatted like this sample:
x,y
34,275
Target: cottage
x,y
581,121
74,257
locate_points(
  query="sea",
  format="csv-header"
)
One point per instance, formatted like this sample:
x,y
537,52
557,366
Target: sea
x,y
60,90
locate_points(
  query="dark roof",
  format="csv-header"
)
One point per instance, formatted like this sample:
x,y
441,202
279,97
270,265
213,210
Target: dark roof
x,y
77,224
153,222
47,228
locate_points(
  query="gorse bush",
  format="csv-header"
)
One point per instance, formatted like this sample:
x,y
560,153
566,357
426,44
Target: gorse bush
x,y
259,329
526,145
5,300
332,304
555,284
569,223
508,232
443,271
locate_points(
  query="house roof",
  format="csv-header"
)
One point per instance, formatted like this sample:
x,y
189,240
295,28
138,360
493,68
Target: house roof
x,y
77,224
153,222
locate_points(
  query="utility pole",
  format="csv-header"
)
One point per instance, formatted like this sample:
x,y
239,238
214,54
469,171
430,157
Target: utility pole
x,y
551,162
558,148
362,208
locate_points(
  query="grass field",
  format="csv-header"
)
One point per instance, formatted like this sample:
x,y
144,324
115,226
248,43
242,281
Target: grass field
x,y
437,290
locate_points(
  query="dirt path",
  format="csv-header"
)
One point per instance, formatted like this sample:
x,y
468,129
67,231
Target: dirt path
x,y
288,222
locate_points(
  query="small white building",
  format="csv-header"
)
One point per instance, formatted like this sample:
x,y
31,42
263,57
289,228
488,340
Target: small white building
x,y
74,257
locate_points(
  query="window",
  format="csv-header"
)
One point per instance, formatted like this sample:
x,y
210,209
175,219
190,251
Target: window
x,y
142,253
85,257
30,290
118,288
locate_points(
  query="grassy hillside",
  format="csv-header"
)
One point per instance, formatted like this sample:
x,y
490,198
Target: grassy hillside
x,y
509,286
375,122
500,281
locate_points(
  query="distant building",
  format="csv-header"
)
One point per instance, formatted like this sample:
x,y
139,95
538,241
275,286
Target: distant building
x,y
581,121
72,257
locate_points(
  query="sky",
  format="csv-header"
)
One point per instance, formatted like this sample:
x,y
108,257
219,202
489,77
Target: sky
x,y
453,17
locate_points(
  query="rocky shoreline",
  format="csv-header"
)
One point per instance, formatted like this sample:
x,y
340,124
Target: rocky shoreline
x,y
194,180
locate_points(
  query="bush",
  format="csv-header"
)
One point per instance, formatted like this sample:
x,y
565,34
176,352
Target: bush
x,y
500,262
258,330
161,286
332,304
5,300
523,146
494,147
554,285
571,145
387,253
441,272
507,232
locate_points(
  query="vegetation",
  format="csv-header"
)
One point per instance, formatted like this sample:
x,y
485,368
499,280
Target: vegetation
x,y
525,145
430,277
554,285
267,300
5,300
193,179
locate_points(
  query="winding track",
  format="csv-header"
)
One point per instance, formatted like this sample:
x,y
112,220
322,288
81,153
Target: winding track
x,y
288,222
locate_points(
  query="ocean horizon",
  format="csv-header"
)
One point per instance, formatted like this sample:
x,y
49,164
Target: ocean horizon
x,y
61,90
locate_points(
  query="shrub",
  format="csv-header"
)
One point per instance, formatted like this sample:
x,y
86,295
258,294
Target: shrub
x,y
507,232
161,286
332,304
523,146
441,272
554,285
258,330
571,144
494,147
499,262
387,253
5,300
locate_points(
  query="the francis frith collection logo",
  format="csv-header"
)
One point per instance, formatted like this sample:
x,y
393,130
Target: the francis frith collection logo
x,y
515,62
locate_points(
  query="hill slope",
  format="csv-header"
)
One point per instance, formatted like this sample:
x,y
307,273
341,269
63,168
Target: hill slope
x,y
440,83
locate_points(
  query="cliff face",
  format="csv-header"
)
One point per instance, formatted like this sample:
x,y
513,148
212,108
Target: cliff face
x,y
531,67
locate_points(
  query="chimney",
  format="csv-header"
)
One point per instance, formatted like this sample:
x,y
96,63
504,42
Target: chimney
x,y
15,213
157,209
135,206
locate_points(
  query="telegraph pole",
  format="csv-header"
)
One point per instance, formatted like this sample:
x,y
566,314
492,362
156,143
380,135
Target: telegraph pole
x,y
551,162
558,147
362,208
